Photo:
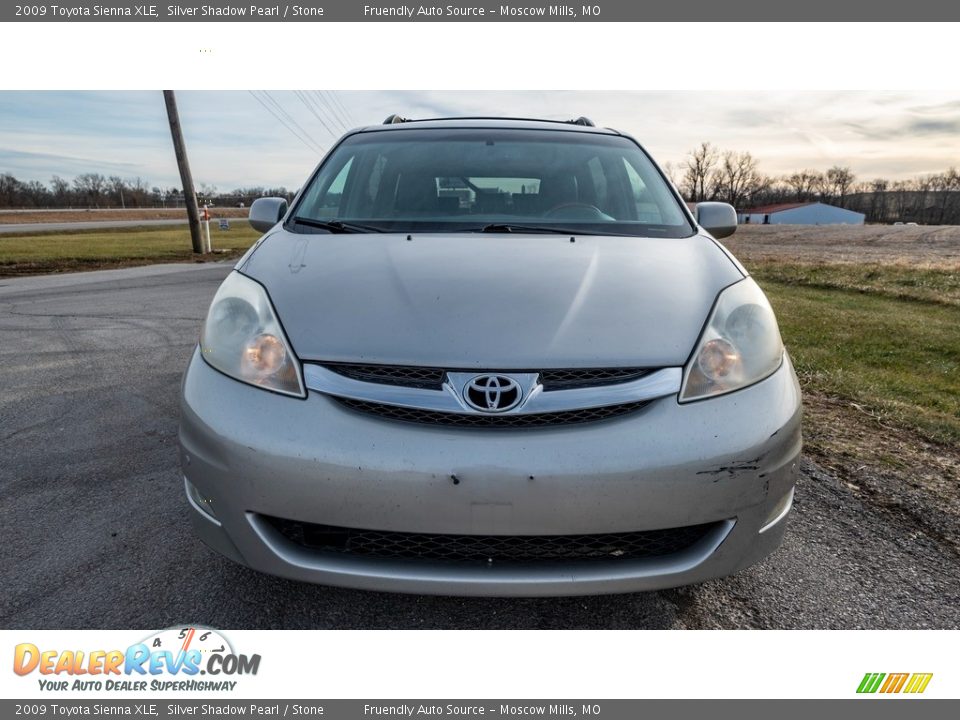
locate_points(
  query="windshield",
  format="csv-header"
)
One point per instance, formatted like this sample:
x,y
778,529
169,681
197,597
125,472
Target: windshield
x,y
497,179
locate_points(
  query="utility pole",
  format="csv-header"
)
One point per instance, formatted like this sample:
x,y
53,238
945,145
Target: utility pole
x,y
189,193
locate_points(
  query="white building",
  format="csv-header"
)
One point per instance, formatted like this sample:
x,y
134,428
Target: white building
x,y
809,213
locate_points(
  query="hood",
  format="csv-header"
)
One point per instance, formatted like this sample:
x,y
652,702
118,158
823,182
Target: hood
x,y
489,301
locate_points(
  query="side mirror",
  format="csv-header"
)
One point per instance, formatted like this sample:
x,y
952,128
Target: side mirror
x,y
266,212
717,218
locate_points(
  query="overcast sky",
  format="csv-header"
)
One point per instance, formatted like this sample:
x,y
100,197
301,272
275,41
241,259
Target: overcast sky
x,y
233,140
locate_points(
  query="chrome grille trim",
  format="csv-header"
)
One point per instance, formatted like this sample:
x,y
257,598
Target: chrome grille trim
x,y
657,384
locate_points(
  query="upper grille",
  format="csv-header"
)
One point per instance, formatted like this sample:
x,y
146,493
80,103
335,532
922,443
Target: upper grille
x,y
407,376
490,548
588,377
435,417
432,378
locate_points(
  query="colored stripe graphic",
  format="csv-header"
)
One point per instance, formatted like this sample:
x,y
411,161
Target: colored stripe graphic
x,y
918,682
894,683
870,682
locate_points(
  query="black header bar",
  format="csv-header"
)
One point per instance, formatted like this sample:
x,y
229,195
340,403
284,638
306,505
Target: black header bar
x,y
856,12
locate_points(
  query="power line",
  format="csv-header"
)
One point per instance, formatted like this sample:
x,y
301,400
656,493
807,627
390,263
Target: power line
x,y
333,104
283,122
353,120
290,118
305,138
307,101
324,104
322,107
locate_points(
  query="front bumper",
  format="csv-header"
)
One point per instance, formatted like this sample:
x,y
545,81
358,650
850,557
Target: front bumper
x,y
730,460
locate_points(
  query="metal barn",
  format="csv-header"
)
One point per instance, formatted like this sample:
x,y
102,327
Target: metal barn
x,y
810,213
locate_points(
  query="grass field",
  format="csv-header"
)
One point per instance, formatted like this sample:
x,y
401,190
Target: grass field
x,y
32,254
882,336
898,359
25,217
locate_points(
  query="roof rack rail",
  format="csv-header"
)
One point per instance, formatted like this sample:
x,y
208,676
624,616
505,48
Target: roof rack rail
x,y
395,119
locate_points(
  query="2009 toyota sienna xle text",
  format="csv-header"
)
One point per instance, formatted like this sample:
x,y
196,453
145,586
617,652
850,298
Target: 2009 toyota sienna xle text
x,y
490,357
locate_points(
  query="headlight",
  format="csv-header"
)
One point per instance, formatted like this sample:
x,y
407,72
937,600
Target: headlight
x,y
740,345
242,338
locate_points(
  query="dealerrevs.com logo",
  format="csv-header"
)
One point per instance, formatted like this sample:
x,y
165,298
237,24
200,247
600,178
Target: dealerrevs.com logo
x,y
172,659
890,683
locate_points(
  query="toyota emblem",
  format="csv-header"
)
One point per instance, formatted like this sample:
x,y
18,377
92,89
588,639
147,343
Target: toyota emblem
x,y
492,393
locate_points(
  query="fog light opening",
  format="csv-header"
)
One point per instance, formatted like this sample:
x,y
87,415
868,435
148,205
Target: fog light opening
x,y
779,511
199,501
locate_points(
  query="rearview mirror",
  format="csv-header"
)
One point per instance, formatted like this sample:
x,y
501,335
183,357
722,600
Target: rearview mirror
x,y
717,218
266,212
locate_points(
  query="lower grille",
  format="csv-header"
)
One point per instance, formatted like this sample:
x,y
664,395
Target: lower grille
x,y
489,548
434,417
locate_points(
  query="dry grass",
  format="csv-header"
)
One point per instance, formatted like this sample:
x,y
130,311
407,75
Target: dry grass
x,y
917,246
36,254
870,316
895,359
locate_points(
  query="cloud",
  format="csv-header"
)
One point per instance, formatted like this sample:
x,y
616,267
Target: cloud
x,y
935,127
950,107
48,164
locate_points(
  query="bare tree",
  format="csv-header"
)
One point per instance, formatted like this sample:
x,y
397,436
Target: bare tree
x,y
803,184
673,174
8,189
737,179
902,192
116,186
699,167
878,209
206,192
924,185
945,185
139,193
60,189
90,187
839,180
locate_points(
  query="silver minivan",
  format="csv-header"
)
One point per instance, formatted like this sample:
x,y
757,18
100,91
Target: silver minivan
x,y
483,356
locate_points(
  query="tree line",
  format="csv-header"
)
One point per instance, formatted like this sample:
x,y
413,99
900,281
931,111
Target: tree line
x,y
93,190
709,173
706,173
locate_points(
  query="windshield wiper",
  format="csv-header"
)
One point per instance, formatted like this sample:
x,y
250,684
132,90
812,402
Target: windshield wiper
x,y
510,227
336,226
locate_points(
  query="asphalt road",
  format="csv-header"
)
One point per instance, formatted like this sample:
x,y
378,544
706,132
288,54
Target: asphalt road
x,y
94,531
